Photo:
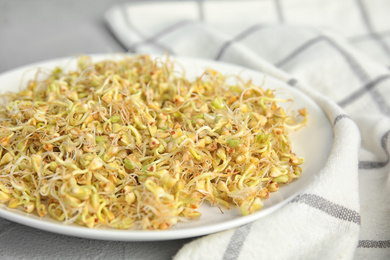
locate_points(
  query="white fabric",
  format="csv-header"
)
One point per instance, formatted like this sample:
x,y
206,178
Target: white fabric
x,y
335,51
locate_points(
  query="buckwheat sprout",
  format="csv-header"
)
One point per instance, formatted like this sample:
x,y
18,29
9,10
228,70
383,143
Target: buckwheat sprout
x,y
133,142
80,78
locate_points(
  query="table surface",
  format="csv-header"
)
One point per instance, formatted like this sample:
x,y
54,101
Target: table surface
x,y
38,30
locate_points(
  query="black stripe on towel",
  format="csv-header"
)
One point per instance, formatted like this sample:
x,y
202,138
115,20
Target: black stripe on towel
x,y
130,26
153,39
375,165
374,244
113,35
236,242
247,32
299,50
357,69
292,82
366,88
279,11
353,64
328,207
201,10
368,36
367,21
339,117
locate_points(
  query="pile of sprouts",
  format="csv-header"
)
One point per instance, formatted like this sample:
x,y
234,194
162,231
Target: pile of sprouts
x,y
133,142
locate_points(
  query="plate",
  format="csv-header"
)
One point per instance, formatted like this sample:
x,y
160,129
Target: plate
x,y
313,142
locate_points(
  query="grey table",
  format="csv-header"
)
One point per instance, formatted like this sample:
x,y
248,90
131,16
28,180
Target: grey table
x,y
37,30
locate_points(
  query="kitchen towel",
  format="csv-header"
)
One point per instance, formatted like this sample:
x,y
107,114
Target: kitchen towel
x,y
337,52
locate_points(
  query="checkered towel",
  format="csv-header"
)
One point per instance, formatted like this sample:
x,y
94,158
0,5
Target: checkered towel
x,y
336,51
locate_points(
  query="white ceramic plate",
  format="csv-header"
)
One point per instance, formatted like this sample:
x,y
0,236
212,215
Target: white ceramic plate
x,y
313,142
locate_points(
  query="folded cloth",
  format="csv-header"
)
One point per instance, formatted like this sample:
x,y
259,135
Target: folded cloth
x,y
336,52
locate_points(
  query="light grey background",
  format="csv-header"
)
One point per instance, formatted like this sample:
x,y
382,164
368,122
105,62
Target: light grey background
x,y
37,30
